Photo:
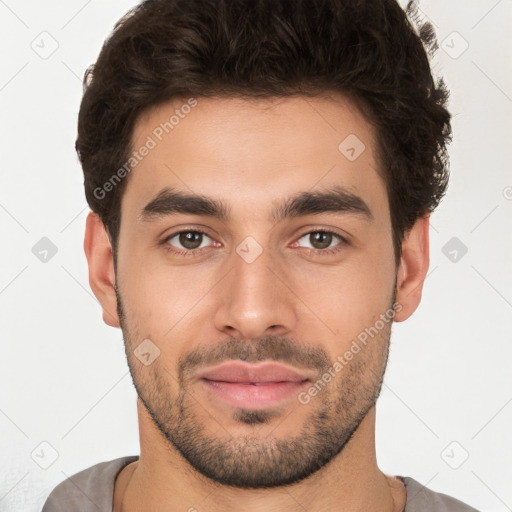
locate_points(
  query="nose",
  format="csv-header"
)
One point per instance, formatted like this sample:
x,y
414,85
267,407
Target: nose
x,y
254,299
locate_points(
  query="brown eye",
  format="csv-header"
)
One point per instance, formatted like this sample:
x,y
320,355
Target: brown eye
x,y
325,242
320,239
188,240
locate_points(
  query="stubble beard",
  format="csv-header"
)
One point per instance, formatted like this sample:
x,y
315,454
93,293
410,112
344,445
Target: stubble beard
x,y
254,461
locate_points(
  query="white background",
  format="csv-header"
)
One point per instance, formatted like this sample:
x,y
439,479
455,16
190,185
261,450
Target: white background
x,y
63,375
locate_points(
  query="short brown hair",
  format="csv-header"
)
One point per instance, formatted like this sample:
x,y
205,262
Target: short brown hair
x,y
367,49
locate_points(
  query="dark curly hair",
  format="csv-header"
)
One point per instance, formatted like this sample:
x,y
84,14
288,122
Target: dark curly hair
x,y
372,51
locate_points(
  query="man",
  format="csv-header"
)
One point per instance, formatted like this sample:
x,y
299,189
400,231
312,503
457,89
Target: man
x,y
260,176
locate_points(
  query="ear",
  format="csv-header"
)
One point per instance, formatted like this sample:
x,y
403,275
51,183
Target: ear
x,y
412,269
101,267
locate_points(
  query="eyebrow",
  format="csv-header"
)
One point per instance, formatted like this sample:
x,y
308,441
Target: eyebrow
x,y
337,199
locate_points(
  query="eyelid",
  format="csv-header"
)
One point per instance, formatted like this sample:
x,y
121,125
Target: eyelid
x,y
170,236
344,241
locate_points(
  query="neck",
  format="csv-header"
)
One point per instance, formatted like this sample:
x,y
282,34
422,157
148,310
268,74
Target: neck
x,y
162,480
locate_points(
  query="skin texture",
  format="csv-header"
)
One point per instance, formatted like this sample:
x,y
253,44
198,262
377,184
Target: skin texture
x,y
291,304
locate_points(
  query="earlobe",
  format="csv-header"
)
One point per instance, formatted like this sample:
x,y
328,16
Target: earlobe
x,y
101,267
413,268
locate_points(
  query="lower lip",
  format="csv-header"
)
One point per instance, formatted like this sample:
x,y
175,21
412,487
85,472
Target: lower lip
x,y
252,396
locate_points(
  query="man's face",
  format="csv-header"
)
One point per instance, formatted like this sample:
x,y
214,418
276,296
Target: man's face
x,y
261,284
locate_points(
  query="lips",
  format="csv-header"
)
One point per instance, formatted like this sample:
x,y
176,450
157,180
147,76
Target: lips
x,y
262,373
259,386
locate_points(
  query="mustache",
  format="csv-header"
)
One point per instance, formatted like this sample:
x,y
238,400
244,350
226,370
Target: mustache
x,y
271,348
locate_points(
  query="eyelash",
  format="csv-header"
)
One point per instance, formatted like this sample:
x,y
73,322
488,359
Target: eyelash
x,y
195,252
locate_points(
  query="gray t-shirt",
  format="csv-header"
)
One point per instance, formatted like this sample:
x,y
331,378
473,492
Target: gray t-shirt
x,y
92,490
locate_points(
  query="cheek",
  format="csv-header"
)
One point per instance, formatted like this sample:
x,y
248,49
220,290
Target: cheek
x,y
339,299
160,296
349,296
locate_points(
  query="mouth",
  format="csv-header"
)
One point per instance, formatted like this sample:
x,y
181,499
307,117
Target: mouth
x,y
253,386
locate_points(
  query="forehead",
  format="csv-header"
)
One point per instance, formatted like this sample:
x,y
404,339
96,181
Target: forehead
x,y
254,151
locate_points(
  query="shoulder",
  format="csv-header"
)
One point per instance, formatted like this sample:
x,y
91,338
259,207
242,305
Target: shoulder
x,y
91,489
422,499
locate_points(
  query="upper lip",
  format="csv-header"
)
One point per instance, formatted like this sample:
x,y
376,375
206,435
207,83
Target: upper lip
x,y
238,371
